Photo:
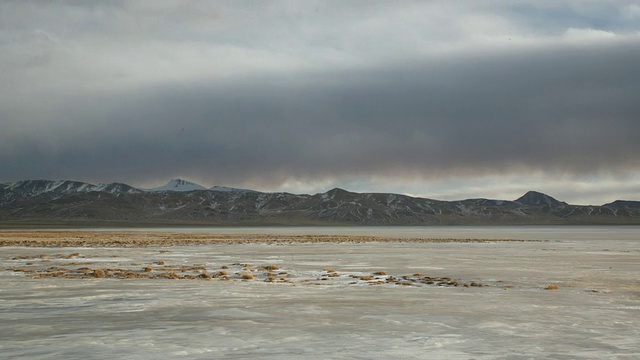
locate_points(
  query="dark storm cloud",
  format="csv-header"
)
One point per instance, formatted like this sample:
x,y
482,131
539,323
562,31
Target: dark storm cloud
x,y
562,110
260,95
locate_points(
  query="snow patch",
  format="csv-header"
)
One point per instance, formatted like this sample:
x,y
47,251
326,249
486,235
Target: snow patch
x,y
179,185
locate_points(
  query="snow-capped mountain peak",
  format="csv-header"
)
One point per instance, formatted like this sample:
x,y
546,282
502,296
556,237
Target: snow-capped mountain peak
x,y
179,185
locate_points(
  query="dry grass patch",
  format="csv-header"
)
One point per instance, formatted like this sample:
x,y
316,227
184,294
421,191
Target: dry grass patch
x,y
98,273
377,283
61,238
366,277
221,274
169,275
247,276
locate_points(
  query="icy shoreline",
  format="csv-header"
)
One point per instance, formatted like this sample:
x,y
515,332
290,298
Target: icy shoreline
x,y
592,315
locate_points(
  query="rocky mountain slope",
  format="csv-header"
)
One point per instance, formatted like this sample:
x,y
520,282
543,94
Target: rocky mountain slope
x,y
76,203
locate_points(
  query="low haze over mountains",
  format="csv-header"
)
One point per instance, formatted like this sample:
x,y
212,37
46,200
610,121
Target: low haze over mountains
x,y
178,202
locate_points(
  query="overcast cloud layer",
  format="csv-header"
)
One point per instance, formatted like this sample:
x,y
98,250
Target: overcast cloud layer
x,y
440,99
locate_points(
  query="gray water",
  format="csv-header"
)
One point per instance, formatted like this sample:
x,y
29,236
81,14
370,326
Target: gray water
x,y
595,313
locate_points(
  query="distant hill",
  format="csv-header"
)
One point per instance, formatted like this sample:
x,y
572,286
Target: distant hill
x,y
624,204
73,203
536,198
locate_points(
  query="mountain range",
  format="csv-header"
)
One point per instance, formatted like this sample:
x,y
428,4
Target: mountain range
x,y
180,202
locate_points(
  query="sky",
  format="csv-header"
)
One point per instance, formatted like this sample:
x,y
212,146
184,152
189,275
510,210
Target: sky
x,y
441,99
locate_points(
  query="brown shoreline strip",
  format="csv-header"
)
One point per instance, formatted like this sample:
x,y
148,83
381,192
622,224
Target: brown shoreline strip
x,y
153,239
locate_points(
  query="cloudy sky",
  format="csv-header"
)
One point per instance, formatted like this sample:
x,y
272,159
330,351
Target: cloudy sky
x,y
442,99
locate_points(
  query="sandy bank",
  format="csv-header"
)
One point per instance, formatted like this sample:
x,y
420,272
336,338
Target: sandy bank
x,y
135,239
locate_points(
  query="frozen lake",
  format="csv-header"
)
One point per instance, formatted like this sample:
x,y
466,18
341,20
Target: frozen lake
x,y
594,313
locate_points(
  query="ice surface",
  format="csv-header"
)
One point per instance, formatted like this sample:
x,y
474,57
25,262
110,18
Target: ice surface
x,y
595,313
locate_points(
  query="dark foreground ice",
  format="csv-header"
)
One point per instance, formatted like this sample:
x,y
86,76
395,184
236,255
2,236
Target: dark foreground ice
x,y
595,313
